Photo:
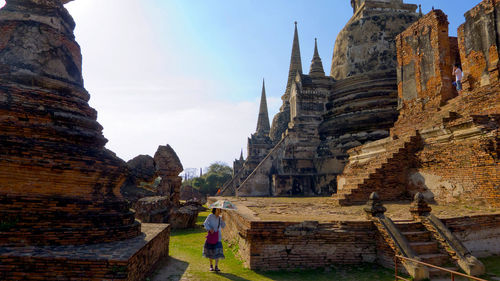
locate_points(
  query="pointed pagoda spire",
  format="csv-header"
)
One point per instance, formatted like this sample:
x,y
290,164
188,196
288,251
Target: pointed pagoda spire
x,y
241,155
316,69
295,62
263,121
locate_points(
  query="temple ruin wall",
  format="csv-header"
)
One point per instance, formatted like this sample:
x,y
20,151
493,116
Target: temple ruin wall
x,y
276,245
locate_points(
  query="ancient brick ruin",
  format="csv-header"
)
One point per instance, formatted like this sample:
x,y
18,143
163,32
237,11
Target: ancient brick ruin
x,y
300,237
443,145
62,214
259,145
390,125
478,38
383,130
154,188
324,116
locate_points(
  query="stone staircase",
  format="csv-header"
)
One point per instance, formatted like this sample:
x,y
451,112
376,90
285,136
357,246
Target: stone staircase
x,y
426,248
379,166
425,238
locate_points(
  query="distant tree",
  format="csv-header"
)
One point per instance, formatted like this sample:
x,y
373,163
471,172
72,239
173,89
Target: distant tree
x,y
217,174
198,182
220,168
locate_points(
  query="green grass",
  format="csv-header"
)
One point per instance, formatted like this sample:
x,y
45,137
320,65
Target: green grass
x,y
492,265
186,248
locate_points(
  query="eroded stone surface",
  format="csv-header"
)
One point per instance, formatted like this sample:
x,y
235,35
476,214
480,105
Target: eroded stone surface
x,y
166,161
62,214
451,151
479,49
59,184
189,193
158,201
130,259
366,44
142,168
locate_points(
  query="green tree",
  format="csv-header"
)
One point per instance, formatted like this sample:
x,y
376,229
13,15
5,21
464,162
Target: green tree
x,y
198,182
220,168
217,174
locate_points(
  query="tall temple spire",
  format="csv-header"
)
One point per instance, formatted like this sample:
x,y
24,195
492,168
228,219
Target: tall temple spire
x,y
295,63
316,69
263,121
241,155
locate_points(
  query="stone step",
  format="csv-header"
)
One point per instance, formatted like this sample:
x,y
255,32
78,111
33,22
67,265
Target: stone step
x,y
410,226
450,116
361,198
368,169
421,248
355,179
417,236
349,202
368,162
348,186
344,191
436,259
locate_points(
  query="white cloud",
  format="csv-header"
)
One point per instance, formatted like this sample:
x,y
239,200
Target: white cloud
x,y
144,101
199,129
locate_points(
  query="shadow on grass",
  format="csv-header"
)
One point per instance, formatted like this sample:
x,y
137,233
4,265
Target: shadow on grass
x,y
169,269
232,277
492,265
362,272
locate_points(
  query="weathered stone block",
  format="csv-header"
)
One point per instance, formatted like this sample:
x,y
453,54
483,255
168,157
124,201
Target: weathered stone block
x,y
425,62
478,43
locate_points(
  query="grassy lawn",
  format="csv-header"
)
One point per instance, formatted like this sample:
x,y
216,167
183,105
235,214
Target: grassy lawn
x,y
186,263
492,265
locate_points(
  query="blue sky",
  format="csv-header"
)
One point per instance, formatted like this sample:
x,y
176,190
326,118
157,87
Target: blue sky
x,y
242,41
189,72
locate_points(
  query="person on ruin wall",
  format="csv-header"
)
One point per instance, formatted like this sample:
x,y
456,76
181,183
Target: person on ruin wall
x,y
213,244
458,77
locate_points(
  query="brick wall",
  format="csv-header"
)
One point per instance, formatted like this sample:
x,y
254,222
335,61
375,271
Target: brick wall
x,y
236,231
454,51
130,260
275,245
424,61
479,233
289,245
478,42
144,261
451,177
42,220
459,159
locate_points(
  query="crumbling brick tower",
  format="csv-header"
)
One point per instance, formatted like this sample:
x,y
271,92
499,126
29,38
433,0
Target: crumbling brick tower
x,y
479,42
444,144
56,176
58,184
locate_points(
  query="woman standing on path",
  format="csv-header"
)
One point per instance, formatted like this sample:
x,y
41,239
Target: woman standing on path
x,y
213,245
457,71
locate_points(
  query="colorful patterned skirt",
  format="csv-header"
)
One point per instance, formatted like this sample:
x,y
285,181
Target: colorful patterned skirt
x,y
213,251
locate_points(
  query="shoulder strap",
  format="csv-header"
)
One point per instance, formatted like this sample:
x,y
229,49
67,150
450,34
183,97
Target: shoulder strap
x,y
218,225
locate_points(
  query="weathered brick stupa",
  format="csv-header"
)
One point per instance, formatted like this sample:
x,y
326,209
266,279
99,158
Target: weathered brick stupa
x,y
363,104
58,184
444,144
324,116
